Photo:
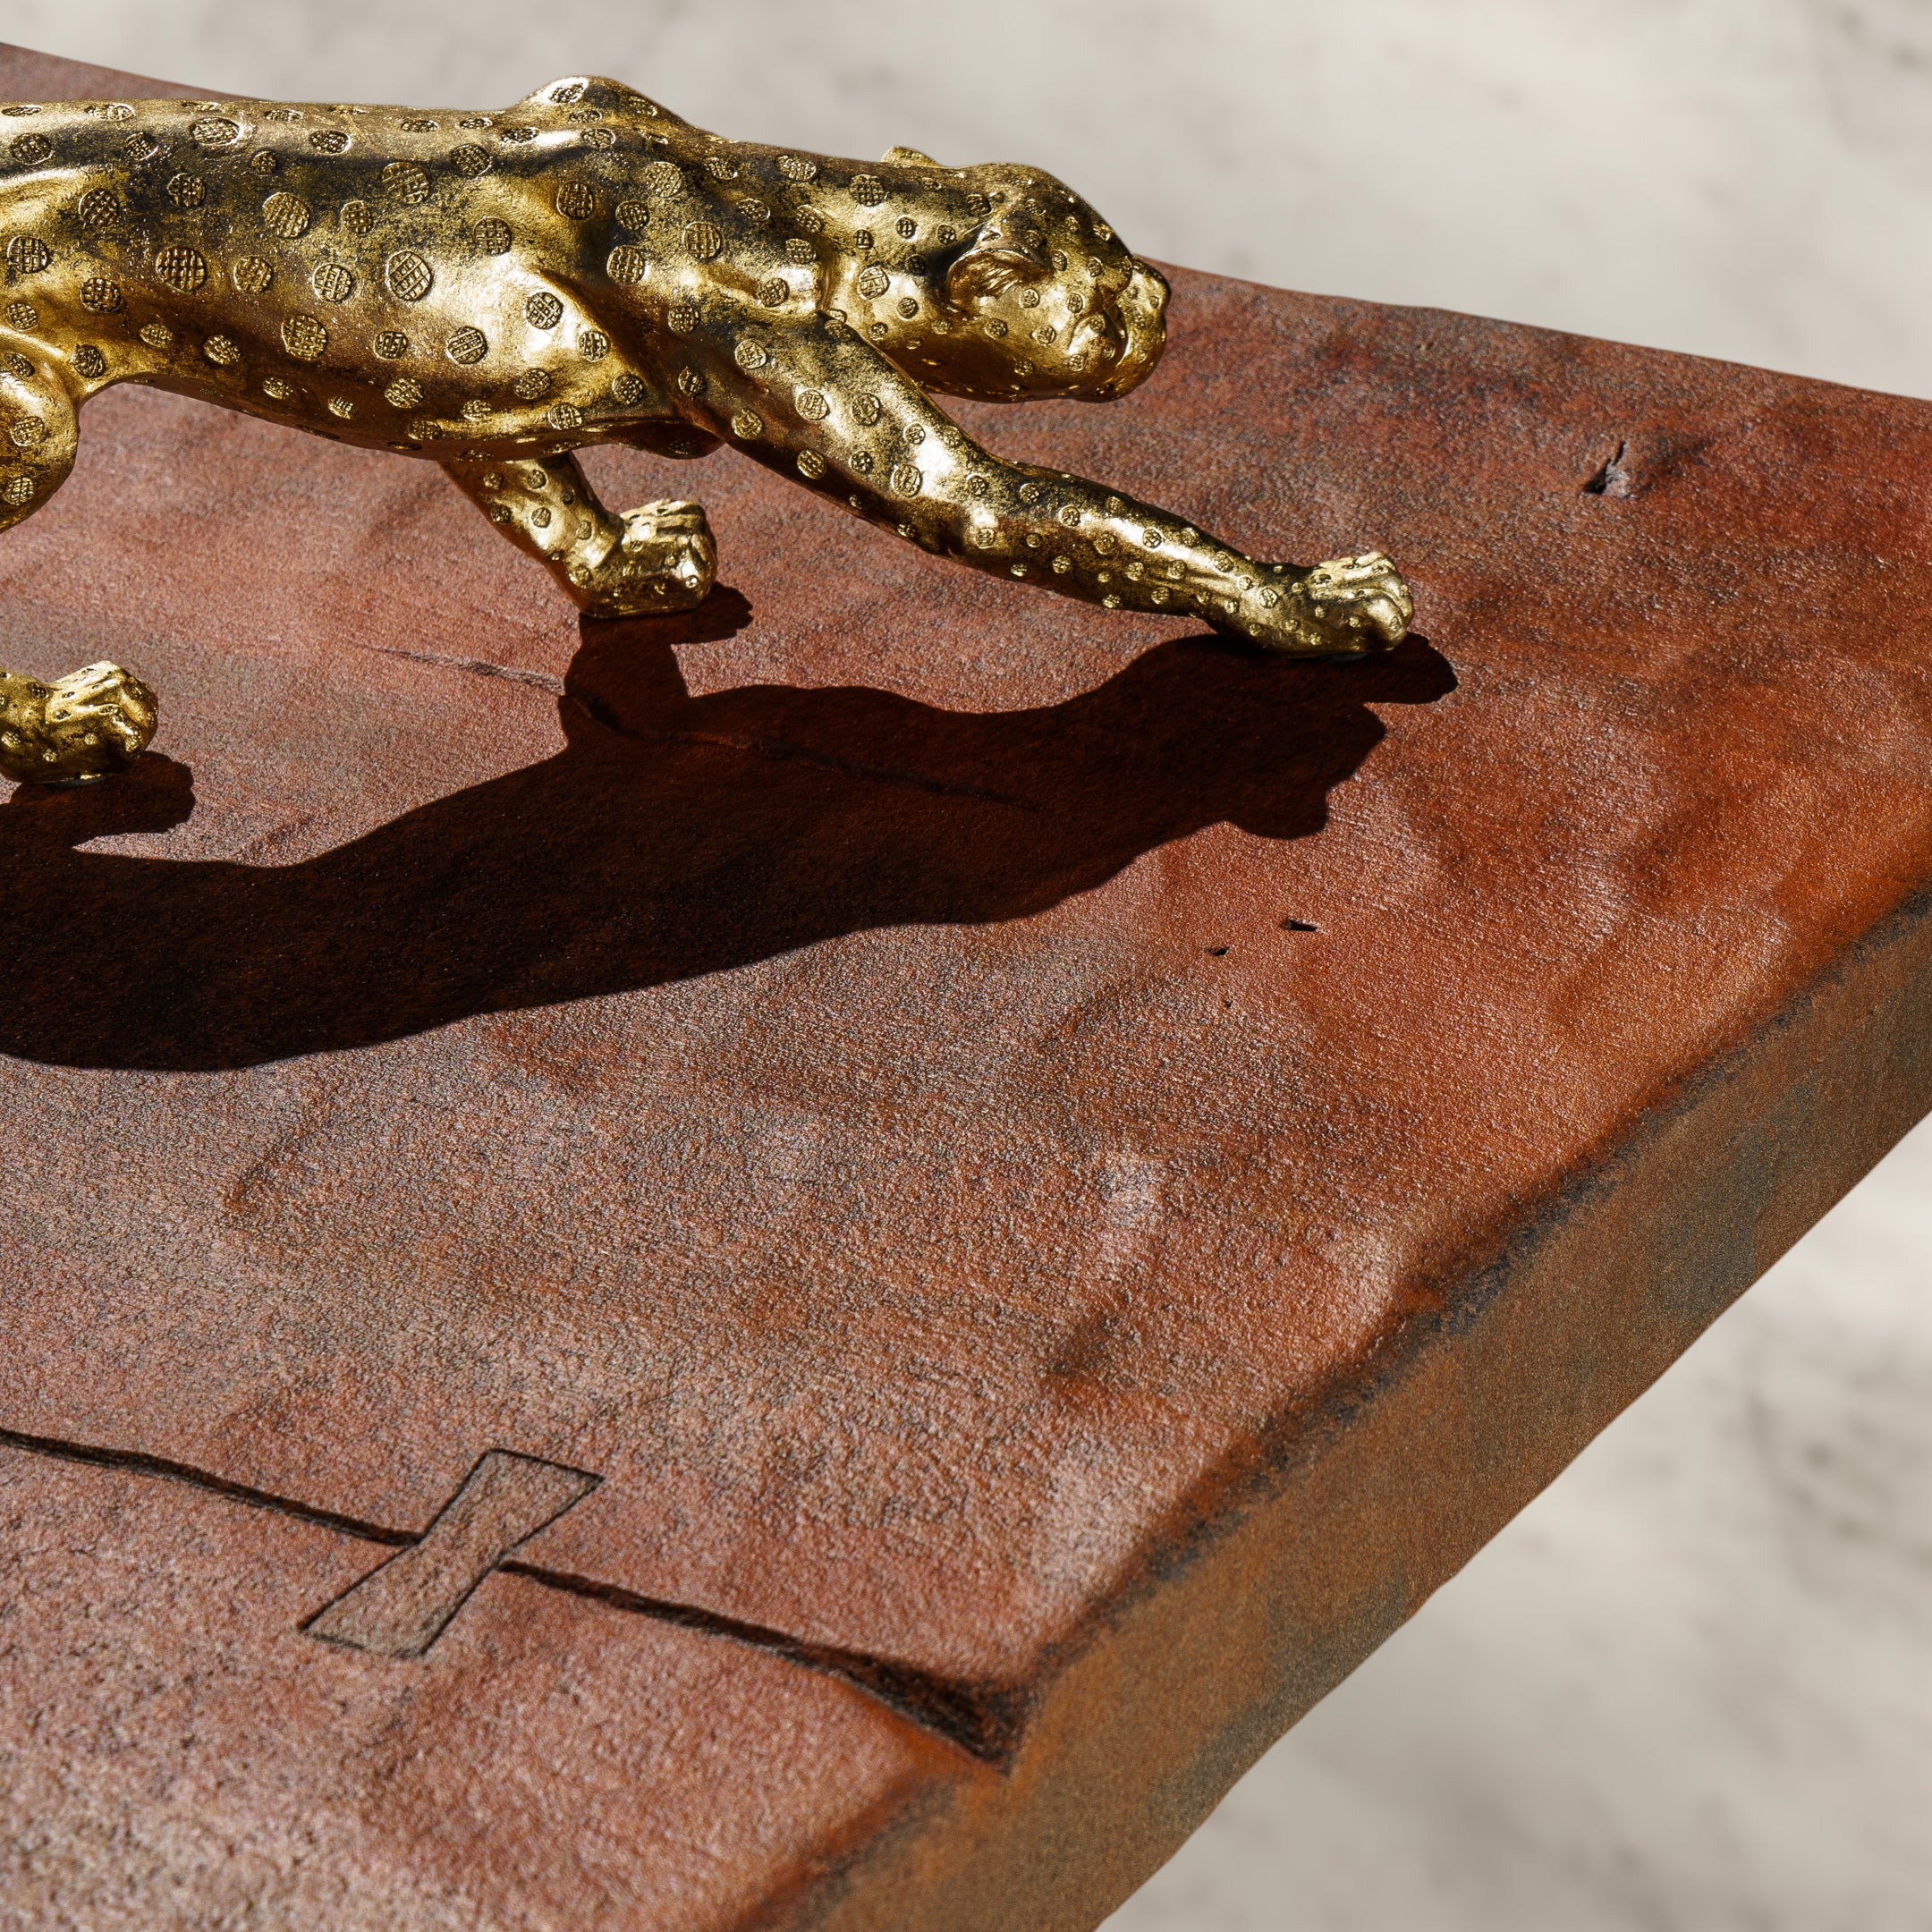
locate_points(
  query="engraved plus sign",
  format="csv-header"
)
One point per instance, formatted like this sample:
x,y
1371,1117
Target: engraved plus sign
x,y
400,1608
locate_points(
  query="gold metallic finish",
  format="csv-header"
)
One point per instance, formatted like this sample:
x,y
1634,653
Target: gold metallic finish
x,y
494,291
94,722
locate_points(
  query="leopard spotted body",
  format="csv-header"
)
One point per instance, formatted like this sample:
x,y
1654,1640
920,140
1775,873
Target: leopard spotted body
x,y
496,290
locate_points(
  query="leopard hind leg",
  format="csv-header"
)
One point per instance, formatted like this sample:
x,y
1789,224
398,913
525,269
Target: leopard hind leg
x,y
99,719
39,426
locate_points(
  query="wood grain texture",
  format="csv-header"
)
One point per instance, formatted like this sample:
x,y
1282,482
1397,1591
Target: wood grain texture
x,y
1063,1176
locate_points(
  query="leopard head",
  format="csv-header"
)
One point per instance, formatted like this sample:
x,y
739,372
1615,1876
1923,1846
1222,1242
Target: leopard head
x,y
1021,291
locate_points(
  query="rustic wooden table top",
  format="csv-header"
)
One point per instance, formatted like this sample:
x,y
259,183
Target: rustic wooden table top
x,y
1059,1175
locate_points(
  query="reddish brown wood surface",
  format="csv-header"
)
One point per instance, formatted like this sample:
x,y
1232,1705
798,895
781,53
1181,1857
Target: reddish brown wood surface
x,y
1061,1174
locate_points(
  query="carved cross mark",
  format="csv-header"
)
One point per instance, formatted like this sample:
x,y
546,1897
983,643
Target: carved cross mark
x,y
400,1608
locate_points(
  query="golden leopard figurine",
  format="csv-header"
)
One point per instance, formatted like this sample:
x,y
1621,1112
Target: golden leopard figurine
x,y
495,290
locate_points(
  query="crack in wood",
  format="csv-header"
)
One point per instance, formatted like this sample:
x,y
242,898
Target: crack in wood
x,y
985,1721
543,681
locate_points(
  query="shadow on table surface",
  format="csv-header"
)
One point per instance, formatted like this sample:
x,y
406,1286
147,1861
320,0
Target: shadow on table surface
x,y
673,836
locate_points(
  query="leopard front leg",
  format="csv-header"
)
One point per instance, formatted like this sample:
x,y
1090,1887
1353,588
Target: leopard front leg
x,y
654,559
808,399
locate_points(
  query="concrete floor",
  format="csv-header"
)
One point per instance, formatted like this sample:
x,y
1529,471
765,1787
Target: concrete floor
x,y
1692,1686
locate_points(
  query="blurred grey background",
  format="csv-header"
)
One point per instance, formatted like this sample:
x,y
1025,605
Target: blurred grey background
x,y
1692,1686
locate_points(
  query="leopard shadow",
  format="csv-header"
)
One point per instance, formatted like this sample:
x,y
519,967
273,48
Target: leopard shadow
x,y
674,836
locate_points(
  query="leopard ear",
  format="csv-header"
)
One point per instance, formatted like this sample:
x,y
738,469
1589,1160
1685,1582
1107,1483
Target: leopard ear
x,y
907,157
1004,252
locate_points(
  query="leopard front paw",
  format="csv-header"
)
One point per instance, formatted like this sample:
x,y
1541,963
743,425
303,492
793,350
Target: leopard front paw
x,y
665,561
1346,607
93,722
